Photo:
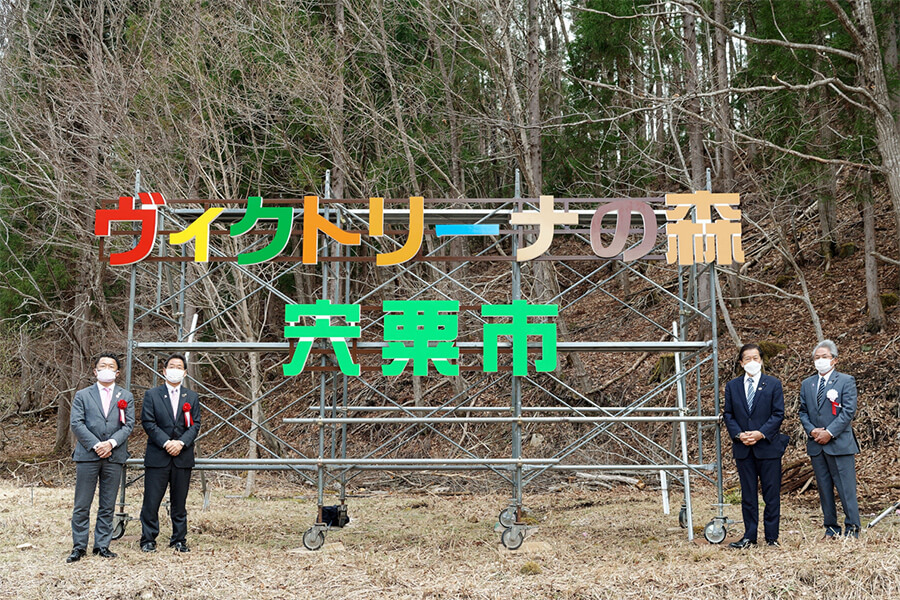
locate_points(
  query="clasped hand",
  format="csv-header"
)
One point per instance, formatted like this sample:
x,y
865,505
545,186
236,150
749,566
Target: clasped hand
x,y
820,435
104,449
749,438
173,447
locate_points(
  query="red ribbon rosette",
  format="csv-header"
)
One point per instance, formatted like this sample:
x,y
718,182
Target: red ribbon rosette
x,y
186,408
122,404
834,398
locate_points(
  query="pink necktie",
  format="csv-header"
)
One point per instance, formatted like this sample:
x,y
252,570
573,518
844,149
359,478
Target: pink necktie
x,y
107,400
174,398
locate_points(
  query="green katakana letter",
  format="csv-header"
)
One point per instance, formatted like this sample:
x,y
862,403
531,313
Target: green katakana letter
x,y
519,330
420,322
322,310
284,217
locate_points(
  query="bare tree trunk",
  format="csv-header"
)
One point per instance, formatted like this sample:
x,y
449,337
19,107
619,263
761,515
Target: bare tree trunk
x,y
735,288
659,138
29,367
81,354
339,174
244,328
88,287
301,293
807,299
827,191
533,85
726,316
783,247
508,72
695,147
622,278
418,397
555,64
255,414
888,136
395,101
722,103
873,297
194,372
546,287
695,134
448,289
64,440
891,62
456,178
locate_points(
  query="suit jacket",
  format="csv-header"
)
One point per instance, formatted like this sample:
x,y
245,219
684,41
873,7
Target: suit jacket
x,y
766,417
90,426
812,415
161,426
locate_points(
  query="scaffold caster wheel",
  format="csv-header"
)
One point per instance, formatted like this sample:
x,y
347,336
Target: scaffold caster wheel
x,y
682,517
715,531
118,528
512,538
507,517
313,538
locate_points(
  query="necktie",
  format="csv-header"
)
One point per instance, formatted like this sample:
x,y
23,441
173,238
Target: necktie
x,y
174,396
107,400
820,395
750,393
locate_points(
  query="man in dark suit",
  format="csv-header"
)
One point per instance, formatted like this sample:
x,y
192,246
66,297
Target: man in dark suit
x,y
827,406
754,410
101,429
171,418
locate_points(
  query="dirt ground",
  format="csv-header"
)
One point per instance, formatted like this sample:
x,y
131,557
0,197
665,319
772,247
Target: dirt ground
x,y
585,544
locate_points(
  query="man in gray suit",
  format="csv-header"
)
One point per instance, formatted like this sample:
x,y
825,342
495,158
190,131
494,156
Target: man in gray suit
x,y
827,406
102,419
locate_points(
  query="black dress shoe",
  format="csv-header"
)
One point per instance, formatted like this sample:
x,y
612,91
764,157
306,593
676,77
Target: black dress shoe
x,y
180,547
148,547
772,543
741,544
76,555
105,553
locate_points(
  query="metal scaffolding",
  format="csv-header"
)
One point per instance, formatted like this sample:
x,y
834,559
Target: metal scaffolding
x,y
161,320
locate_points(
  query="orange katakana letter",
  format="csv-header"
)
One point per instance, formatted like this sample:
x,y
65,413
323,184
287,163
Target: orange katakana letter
x,y
313,223
416,230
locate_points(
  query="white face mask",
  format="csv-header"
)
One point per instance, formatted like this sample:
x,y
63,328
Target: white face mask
x,y
106,375
174,376
753,368
823,365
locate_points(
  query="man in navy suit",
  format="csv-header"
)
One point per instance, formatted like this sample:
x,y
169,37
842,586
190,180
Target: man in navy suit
x,y
754,410
171,417
827,406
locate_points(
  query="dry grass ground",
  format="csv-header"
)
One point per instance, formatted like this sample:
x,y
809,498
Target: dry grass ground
x,y
589,544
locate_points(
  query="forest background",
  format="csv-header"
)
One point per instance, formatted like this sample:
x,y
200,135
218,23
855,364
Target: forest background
x,y
792,104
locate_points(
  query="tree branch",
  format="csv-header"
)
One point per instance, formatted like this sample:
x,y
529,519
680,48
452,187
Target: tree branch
x,y
845,22
770,42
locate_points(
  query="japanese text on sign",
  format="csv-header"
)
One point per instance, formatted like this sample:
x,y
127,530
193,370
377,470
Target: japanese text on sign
x,y
422,332
693,235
